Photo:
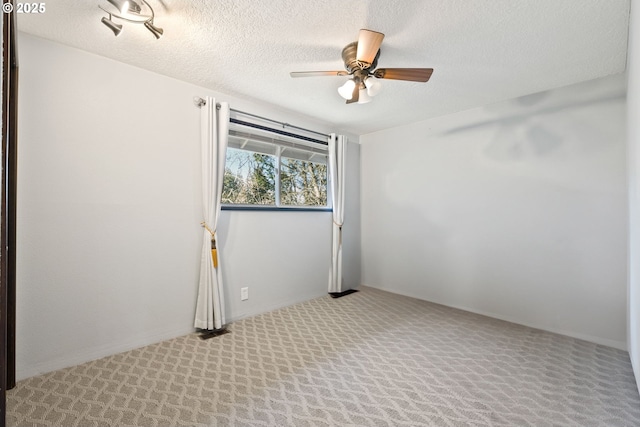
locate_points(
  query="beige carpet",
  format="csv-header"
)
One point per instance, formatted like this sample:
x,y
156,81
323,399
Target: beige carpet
x,y
368,359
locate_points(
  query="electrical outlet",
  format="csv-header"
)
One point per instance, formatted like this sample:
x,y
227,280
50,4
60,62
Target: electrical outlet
x,y
244,294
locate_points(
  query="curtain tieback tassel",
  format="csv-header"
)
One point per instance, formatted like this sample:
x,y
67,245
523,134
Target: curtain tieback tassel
x,y
214,249
214,253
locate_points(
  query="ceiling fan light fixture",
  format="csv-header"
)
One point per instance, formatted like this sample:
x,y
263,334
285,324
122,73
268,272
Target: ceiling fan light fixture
x,y
363,97
346,90
373,86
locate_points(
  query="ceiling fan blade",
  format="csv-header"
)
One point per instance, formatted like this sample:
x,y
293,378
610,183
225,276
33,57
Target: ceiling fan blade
x,y
355,97
410,74
368,45
318,73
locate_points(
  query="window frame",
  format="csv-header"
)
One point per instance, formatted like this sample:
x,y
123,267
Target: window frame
x,y
278,170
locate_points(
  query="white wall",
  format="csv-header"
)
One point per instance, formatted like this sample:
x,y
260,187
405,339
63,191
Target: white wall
x,y
109,213
633,113
516,210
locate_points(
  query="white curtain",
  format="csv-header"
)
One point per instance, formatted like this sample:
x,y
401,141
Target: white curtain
x,y
215,125
337,162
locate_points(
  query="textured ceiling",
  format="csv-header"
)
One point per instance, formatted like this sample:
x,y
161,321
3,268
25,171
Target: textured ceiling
x,y
482,51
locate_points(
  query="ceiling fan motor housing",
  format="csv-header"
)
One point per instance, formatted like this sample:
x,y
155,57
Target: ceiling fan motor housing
x,y
351,63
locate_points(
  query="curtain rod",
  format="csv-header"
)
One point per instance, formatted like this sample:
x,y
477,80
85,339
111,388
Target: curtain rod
x,y
278,131
200,102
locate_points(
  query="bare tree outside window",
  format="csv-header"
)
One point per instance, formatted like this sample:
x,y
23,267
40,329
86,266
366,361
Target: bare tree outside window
x,y
302,183
251,178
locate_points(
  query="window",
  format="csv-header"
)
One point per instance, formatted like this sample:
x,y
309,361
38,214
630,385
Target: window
x,y
266,171
249,178
303,181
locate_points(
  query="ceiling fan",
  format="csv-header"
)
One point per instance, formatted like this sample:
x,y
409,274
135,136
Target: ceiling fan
x,y
360,60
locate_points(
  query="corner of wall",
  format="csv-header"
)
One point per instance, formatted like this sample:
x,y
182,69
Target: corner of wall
x,y
633,136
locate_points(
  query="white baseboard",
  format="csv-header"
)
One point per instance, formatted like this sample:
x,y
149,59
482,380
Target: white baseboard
x,y
281,304
95,353
152,337
620,345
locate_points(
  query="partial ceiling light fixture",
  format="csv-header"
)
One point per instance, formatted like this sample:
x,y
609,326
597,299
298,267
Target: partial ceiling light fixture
x,y
130,11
